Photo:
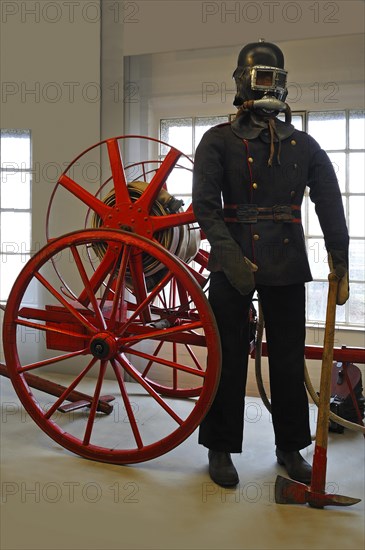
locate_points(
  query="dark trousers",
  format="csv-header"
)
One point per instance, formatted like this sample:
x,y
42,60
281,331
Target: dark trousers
x,y
284,314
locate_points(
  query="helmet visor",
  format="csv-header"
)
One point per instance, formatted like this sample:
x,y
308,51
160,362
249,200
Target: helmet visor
x,y
269,79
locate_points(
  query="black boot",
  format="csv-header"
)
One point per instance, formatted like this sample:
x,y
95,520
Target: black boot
x,y
221,468
295,465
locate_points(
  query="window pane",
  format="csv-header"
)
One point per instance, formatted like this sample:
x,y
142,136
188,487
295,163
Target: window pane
x,y
317,255
357,260
328,128
15,149
314,227
10,268
356,304
317,303
181,179
177,132
203,124
313,223
15,232
15,190
357,169
357,130
304,213
339,164
356,217
296,120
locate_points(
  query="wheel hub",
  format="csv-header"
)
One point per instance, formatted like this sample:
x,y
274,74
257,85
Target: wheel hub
x,y
103,346
137,219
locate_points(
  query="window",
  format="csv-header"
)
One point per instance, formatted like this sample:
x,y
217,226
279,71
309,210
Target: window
x,y
184,134
15,206
341,134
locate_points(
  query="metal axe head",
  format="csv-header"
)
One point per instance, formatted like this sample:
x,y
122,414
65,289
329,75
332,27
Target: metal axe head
x,y
288,491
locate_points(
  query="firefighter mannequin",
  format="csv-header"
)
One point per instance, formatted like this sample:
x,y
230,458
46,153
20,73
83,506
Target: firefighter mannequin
x,y
249,181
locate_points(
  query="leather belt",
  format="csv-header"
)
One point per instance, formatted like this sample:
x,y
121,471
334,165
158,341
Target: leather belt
x,y
251,213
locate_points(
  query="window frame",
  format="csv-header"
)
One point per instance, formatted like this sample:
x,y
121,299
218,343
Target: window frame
x,y
305,116
27,171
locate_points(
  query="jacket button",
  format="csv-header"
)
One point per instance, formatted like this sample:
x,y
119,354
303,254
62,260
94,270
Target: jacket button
x,y
293,142
254,185
250,159
292,193
286,241
256,237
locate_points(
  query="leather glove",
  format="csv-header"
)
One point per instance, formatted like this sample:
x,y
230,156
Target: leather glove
x,y
241,277
337,260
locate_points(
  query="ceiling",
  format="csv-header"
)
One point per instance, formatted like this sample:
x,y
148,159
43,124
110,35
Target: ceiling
x,y
152,26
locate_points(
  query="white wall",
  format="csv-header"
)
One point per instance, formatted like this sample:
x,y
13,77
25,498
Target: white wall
x,y
60,60
193,83
153,26
62,78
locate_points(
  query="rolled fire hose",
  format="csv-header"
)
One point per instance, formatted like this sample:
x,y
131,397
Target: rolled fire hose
x,y
183,241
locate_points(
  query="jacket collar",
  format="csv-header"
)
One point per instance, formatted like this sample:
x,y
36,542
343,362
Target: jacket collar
x,y
250,126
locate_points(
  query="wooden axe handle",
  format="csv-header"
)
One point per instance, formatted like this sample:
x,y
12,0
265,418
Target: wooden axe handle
x,y
327,361
318,480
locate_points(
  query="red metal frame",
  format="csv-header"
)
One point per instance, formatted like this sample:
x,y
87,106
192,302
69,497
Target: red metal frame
x,y
343,354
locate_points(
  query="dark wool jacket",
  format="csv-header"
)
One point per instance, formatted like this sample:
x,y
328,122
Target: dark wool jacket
x,y
232,180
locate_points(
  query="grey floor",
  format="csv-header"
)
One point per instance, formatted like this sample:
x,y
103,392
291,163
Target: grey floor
x,y
52,499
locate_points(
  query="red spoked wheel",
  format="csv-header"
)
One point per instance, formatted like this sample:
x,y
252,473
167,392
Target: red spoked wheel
x,y
141,196
92,339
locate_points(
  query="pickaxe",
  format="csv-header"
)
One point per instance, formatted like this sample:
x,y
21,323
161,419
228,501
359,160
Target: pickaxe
x,y
288,491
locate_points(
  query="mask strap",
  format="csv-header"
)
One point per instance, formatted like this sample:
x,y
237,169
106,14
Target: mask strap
x,y
272,129
287,114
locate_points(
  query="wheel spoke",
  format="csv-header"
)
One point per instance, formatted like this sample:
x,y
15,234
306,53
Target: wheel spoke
x,y
87,198
128,407
140,308
139,284
94,405
202,258
159,333
88,289
150,363
90,327
184,296
172,297
162,297
159,179
45,362
174,372
172,220
120,183
193,356
47,328
137,376
173,364
110,284
201,279
69,389
99,276
118,300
